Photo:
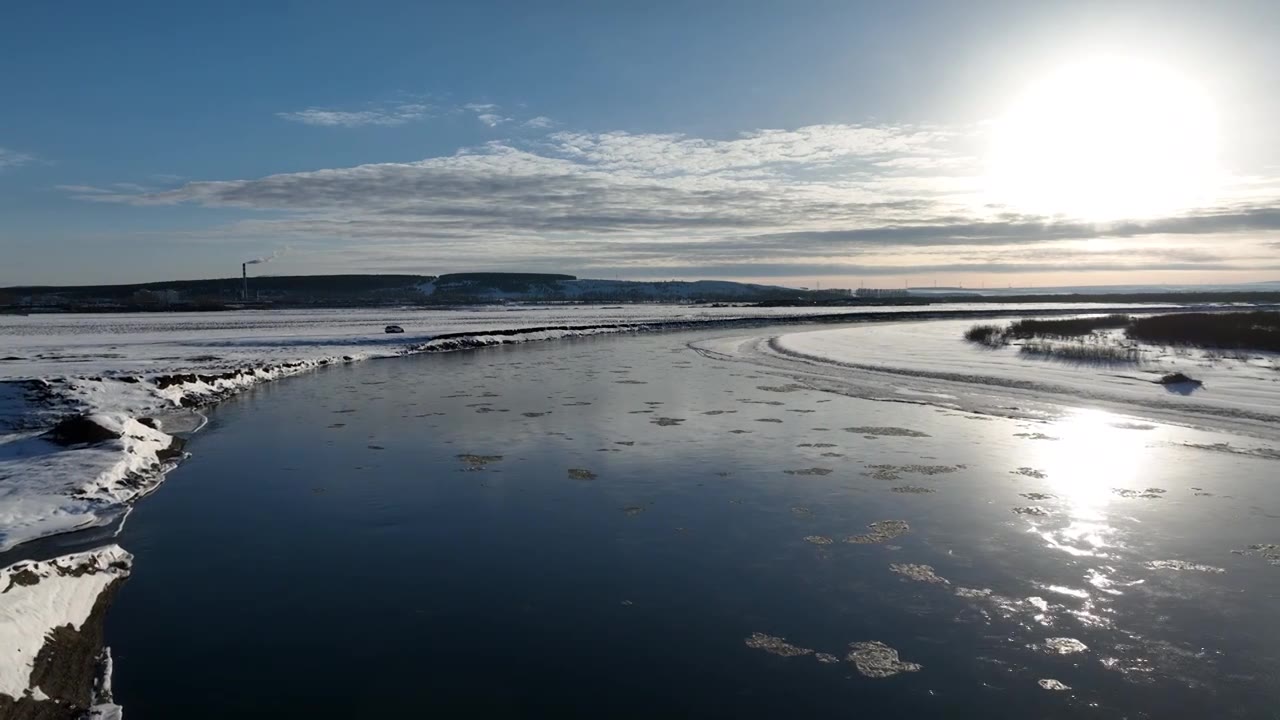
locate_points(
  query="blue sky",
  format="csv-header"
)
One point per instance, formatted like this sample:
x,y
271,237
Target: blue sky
x,y
786,142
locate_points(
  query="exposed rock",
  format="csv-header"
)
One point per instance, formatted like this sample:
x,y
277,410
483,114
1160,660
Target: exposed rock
x,y
173,451
80,430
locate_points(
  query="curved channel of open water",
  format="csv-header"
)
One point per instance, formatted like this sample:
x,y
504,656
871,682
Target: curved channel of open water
x,y
329,550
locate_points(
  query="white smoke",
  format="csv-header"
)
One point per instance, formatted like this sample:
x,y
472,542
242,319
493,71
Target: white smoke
x,y
268,258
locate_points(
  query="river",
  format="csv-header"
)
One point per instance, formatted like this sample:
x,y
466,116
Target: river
x,y
623,527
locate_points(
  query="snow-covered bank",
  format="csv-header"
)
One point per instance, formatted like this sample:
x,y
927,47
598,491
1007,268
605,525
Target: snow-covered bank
x,y
69,345
932,363
47,488
51,623
127,368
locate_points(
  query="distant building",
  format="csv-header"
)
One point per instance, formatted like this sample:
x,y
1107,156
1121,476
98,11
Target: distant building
x,y
881,293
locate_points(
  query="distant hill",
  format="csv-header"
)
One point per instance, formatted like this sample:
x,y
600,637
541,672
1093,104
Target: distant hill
x,y
230,288
320,290
1255,287
526,286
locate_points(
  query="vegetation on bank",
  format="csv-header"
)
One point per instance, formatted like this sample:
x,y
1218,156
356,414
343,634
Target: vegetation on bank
x,y
1258,330
1080,351
1066,327
990,335
1078,339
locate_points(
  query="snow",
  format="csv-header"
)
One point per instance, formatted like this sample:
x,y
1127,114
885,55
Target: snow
x,y
64,593
124,367
46,489
104,707
931,362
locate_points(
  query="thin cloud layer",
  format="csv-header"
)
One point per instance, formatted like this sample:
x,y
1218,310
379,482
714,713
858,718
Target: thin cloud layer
x,y
875,200
13,158
387,115
400,113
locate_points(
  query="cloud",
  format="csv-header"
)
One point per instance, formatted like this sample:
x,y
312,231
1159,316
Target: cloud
x,y
383,115
877,199
392,114
487,113
13,159
82,191
1013,228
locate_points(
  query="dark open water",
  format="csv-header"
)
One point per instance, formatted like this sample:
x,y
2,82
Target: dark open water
x,y
326,554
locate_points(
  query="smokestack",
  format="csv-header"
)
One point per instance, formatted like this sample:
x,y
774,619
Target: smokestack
x,y
244,275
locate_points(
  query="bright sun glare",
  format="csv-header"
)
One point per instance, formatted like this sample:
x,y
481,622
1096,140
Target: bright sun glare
x,y
1106,139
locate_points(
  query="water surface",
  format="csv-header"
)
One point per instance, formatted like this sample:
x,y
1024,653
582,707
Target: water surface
x,y
348,544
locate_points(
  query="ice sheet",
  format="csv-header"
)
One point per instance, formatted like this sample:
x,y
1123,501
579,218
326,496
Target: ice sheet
x,y
930,362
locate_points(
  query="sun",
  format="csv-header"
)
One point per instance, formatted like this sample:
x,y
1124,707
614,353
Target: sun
x,y
1103,139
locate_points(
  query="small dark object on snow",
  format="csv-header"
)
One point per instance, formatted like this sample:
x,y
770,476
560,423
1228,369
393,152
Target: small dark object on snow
x,y
391,329
79,430
1178,379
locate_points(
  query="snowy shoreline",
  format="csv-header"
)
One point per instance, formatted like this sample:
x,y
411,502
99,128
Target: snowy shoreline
x,y
130,372
52,616
931,363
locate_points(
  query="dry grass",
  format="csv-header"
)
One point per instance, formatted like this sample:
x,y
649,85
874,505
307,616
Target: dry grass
x,y
1084,352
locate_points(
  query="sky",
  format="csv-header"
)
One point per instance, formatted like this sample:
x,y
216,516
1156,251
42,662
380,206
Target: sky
x,y
841,143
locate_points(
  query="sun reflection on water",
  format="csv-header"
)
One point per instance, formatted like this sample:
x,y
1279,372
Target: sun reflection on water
x,y
1086,458
1089,458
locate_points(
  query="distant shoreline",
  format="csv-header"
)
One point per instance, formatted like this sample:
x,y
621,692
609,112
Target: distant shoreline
x,y
1176,298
